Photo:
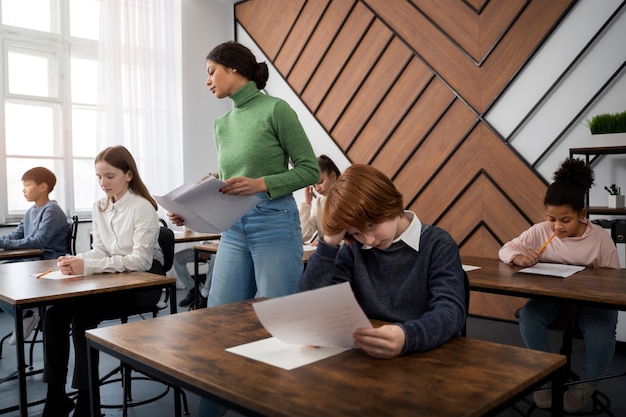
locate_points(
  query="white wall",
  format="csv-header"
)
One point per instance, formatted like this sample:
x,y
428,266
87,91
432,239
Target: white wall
x,y
205,24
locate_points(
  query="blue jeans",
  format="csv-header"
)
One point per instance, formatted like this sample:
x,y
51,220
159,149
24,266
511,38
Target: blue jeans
x,y
596,324
259,256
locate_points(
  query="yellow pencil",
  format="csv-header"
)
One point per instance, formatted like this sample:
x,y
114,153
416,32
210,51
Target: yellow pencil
x,y
44,273
546,244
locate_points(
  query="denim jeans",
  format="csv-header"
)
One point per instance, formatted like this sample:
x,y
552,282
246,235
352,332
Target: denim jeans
x,y
259,256
596,324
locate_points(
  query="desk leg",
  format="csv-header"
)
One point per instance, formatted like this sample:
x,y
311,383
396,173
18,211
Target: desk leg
x,y
21,361
558,389
173,304
94,381
196,272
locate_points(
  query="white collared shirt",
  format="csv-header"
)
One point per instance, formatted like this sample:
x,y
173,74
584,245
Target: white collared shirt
x,y
411,236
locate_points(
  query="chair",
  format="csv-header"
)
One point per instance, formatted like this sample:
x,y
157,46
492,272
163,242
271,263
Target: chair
x,y
71,238
166,242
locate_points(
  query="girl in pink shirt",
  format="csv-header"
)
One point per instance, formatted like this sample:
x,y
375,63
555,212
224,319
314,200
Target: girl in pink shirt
x,y
575,241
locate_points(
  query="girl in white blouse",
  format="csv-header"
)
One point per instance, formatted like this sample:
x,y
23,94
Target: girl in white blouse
x,y
125,238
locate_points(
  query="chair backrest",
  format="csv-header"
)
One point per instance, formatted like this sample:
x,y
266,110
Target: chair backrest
x,y
71,237
167,242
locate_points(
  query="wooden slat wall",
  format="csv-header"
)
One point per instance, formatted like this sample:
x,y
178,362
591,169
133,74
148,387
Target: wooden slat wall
x,y
403,85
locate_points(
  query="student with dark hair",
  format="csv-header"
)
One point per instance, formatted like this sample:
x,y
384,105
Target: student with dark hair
x,y
125,238
401,270
261,254
312,208
573,240
44,227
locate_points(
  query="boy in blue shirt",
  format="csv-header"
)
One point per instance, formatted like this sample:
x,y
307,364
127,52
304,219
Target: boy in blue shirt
x,y
44,227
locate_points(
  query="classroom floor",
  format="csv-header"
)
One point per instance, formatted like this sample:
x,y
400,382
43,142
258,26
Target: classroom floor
x,y
501,332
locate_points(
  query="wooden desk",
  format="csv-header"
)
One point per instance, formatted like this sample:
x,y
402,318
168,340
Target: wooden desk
x,y
464,377
6,254
191,236
211,248
20,290
601,287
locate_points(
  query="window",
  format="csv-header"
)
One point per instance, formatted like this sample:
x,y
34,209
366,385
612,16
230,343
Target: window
x,y
48,117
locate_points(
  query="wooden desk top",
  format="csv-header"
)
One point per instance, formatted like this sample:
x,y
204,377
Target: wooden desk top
x,y
191,236
19,253
18,286
464,377
600,286
212,247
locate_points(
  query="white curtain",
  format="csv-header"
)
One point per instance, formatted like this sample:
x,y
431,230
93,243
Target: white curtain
x,y
138,88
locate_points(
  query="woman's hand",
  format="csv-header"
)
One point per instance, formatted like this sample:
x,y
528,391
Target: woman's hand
x,y
244,186
175,219
527,259
308,195
382,342
71,265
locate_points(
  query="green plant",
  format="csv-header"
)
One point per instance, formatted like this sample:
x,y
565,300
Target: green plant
x,y
613,189
607,123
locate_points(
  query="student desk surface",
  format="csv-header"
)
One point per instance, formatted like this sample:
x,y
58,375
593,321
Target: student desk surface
x,y
6,254
464,377
601,287
185,236
20,290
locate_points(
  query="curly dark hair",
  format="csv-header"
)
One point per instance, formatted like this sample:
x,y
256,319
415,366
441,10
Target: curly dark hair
x,y
572,181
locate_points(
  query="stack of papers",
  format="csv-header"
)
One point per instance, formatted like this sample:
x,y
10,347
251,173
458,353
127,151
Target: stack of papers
x,y
204,208
555,270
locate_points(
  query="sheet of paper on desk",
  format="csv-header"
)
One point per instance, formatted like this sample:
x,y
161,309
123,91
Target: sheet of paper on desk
x,y
322,317
468,268
204,208
555,270
284,355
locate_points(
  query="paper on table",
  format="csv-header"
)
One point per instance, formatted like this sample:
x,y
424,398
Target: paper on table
x,y
55,275
204,208
284,355
556,270
468,268
322,317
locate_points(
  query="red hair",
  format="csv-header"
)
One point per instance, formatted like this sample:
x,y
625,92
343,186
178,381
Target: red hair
x,y
362,195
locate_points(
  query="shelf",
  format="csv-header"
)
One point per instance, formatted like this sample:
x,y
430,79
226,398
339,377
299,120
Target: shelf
x,y
598,150
607,211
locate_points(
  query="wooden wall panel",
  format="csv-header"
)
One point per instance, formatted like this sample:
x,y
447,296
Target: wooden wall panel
x,y
355,72
404,85
422,117
389,114
268,18
295,40
323,35
343,46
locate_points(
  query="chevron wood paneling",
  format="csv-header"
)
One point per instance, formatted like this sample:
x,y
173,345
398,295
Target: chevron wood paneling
x,y
403,85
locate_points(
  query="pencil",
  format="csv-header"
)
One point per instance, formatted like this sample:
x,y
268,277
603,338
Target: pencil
x,y
44,273
546,244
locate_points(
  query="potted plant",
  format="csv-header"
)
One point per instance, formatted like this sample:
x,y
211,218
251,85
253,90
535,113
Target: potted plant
x,y
608,129
616,200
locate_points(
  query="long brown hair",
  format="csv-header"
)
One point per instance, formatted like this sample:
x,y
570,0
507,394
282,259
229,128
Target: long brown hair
x,y
120,158
360,196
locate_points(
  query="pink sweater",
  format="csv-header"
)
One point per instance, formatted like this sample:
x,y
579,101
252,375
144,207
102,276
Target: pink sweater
x,y
594,248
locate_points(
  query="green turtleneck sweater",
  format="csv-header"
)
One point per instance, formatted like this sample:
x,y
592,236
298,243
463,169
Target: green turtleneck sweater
x,y
258,137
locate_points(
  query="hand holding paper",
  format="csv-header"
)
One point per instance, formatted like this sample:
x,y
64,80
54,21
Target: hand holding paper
x,y
204,208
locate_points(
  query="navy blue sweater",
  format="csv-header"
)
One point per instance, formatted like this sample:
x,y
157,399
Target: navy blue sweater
x,y
423,292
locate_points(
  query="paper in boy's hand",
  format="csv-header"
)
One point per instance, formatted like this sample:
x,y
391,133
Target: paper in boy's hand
x,y
325,317
204,208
